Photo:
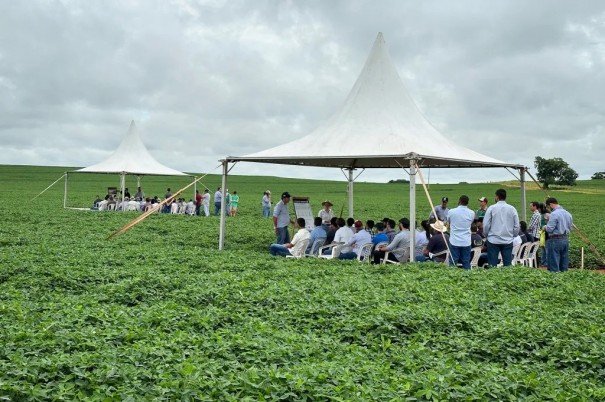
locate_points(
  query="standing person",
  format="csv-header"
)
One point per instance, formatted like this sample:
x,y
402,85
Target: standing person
x,y
140,194
234,203
218,201
326,214
294,248
500,226
482,209
281,219
534,222
206,202
558,227
440,210
460,220
266,203
198,202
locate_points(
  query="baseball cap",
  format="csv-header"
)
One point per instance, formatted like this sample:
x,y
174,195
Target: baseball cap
x,y
358,224
483,199
285,194
444,199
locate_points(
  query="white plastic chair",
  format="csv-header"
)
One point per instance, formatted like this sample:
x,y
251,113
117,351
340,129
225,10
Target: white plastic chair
x,y
475,254
405,258
317,244
365,252
335,251
521,254
445,253
531,259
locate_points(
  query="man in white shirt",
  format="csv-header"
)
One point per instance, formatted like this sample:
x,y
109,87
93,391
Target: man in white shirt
x,y
297,246
460,220
206,202
359,239
343,235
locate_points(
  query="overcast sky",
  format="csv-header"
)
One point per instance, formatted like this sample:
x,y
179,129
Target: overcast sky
x,y
211,78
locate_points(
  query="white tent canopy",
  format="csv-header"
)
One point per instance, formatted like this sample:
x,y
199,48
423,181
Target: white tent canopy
x,y
378,126
131,157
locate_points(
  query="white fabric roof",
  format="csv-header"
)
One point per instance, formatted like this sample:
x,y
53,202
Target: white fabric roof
x,y
378,126
132,157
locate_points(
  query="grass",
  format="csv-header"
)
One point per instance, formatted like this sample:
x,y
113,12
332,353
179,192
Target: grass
x,y
159,313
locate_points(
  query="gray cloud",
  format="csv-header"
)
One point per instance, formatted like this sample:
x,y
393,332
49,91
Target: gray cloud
x,y
207,79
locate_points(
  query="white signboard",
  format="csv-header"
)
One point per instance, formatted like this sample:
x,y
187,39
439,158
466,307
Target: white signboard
x,y
302,208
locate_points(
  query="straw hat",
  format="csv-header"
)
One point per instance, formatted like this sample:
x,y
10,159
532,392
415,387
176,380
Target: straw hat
x,y
439,226
268,192
327,202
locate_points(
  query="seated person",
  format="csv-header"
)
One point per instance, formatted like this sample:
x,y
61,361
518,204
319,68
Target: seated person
x,y
395,248
317,233
390,232
360,238
95,203
332,231
380,236
190,207
476,239
294,248
342,235
103,205
437,243
422,238
370,227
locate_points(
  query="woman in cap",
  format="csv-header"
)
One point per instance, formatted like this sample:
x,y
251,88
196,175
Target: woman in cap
x,y
326,214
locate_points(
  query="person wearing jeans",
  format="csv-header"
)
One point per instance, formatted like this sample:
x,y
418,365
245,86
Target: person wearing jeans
x,y
500,226
460,220
558,227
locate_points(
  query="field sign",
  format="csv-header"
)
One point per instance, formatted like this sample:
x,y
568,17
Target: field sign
x,y
302,208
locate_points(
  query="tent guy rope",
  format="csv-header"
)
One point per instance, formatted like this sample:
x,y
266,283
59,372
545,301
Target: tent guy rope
x,y
43,191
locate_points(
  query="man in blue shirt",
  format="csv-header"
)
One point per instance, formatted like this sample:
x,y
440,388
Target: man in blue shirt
x,y
281,219
558,227
500,226
460,220
317,233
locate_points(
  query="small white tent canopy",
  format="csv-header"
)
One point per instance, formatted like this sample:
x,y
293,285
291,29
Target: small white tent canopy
x,y
378,126
131,157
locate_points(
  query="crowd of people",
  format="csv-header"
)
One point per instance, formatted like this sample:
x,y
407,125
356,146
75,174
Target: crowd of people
x,y
447,232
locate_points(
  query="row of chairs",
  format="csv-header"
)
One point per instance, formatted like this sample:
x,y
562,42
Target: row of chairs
x,y
525,254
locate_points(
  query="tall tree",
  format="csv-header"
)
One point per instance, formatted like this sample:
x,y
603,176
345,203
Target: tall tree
x,y
555,171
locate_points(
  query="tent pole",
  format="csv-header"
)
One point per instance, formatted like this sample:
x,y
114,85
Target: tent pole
x,y
138,182
123,186
523,196
351,192
65,191
412,210
221,235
